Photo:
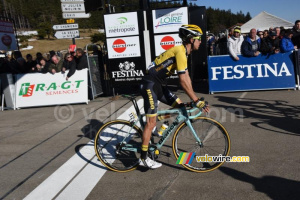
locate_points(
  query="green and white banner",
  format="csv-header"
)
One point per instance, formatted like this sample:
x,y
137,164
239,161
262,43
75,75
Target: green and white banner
x,y
51,89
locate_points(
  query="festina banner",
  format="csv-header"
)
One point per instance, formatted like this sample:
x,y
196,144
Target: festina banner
x,y
122,24
255,73
169,20
165,42
124,47
8,39
129,70
46,89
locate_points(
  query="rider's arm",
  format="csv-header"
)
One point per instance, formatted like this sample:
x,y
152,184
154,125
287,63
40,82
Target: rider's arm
x,y
186,84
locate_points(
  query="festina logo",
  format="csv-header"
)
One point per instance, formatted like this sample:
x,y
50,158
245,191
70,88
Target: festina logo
x,y
250,71
127,70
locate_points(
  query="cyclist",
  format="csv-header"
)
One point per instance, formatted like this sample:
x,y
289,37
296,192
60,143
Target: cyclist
x,y
153,87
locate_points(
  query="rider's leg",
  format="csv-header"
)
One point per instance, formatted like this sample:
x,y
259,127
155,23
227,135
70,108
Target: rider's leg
x,y
151,123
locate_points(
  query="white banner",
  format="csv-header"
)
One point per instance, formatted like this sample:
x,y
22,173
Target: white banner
x,y
7,36
46,89
122,24
123,47
169,20
165,42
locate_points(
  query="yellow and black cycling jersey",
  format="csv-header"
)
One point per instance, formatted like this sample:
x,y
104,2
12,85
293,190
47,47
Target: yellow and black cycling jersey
x,y
165,65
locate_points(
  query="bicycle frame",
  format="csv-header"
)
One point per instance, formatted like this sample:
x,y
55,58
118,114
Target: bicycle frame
x,y
182,117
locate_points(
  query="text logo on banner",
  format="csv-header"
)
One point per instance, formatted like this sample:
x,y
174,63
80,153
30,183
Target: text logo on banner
x,y
255,73
123,47
169,20
127,72
165,42
123,24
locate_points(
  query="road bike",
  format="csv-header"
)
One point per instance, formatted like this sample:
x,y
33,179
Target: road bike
x,y
118,142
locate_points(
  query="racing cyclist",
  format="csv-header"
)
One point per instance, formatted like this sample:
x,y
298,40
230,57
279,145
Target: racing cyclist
x,y
153,87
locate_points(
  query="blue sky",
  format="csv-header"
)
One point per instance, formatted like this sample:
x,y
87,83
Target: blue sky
x,y
285,9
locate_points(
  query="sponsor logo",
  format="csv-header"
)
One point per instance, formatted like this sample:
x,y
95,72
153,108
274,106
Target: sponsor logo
x,y
119,46
170,20
150,99
67,87
170,129
127,72
249,71
167,42
122,20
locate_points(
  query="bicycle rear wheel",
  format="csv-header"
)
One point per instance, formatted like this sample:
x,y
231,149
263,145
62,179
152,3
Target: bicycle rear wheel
x,y
215,142
117,144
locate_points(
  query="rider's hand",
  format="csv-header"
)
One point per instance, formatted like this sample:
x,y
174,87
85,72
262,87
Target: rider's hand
x,y
200,103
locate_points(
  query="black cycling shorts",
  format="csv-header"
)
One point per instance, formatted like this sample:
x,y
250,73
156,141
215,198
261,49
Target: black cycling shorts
x,y
152,92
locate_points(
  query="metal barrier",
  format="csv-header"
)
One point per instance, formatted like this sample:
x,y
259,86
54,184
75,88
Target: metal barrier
x,y
94,70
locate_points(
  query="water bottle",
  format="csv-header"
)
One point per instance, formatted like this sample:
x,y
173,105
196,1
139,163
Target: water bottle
x,y
163,127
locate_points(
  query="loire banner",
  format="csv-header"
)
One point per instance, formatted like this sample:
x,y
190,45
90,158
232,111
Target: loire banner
x,y
124,47
7,36
165,42
169,20
254,73
122,24
46,89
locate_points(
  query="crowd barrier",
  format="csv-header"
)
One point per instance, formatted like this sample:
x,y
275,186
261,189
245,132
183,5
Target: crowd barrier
x,y
264,72
35,89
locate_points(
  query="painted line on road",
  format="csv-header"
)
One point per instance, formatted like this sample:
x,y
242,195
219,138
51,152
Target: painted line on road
x,y
76,178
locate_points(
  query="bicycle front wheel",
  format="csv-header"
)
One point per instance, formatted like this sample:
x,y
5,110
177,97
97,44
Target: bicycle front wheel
x,y
117,144
215,142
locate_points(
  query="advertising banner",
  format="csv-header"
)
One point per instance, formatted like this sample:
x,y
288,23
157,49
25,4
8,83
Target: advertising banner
x,y
7,36
165,42
122,24
46,89
254,73
123,47
169,20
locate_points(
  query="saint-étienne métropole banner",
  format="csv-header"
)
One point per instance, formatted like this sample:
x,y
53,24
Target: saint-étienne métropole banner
x,y
263,72
38,89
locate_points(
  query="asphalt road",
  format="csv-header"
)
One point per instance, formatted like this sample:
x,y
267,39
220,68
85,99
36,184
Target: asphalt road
x,y
47,153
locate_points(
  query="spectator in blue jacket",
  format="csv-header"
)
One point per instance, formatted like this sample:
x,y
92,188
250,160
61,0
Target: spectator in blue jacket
x,y
251,45
286,43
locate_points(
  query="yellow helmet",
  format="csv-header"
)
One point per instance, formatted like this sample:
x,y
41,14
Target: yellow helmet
x,y
189,31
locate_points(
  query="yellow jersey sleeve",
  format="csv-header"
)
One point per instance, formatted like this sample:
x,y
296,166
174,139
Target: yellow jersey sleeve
x,y
181,60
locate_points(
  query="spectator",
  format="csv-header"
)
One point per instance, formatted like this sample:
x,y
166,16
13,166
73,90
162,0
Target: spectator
x,y
251,45
271,44
277,29
282,33
266,33
56,65
44,65
69,64
39,56
260,34
296,34
235,43
81,59
286,43
30,63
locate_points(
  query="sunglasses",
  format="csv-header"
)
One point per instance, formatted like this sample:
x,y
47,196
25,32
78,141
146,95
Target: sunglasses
x,y
69,57
197,38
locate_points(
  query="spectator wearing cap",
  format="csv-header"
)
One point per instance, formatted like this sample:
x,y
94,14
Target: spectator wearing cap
x,y
286,43
271,44
260,34
296,34
251,44
235,42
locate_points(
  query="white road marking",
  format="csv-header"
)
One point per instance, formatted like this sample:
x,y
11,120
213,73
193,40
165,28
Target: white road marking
x,y
81,183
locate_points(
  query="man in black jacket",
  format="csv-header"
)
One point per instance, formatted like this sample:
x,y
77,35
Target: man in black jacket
x,y
296,34
271,44
81,59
